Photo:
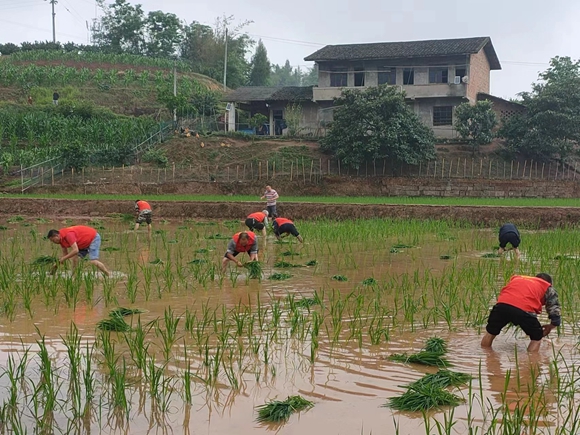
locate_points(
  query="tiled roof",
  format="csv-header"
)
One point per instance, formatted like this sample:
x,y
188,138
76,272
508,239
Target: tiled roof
x,y
391,50
269,93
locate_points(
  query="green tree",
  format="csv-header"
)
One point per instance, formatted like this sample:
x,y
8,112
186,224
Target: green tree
x,y
374,124
284,75
293,117
260,72
476,122
121,28
163,34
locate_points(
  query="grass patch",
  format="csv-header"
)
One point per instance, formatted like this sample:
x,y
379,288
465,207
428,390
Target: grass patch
x,y
435,345
491,255
311,263
369,281
401,246
114,323
278,411
285,264
111,249
254,269
156,261
445,257
307,302
422,398
339,278
44,260
197,261
122,312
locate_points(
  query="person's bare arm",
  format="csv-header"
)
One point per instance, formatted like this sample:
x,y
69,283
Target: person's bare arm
x,y
74,250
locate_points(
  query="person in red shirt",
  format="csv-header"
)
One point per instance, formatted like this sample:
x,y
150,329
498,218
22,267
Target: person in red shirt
x,y
258,221
83,241
144,214
241,242
519,303
283,227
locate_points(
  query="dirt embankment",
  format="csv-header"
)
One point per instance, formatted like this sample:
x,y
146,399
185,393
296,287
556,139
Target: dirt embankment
x,y
539,217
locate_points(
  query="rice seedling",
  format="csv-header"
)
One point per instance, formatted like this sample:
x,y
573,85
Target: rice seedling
x,y
443,379
44,260
307,302
122,312
423,398
289,253
311,263
111,249
15,219
201,251
401,246
280,276
490,255
115,322
254,269
218,236
197,261
157,261
445,257
369,281
339,278
3,228
278,411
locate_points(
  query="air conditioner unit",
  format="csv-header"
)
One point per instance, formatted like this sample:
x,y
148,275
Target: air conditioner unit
x,y
465,79
457,80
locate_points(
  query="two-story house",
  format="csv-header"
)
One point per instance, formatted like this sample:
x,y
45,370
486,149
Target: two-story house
x,y
436,76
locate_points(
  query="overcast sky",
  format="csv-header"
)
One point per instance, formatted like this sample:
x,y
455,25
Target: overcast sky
x,y
525,33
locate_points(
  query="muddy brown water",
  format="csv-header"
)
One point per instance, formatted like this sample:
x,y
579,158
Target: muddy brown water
x,y
349,384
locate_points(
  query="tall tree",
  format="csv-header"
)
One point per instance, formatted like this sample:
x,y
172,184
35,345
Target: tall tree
x,y
260,72
163,34
284,75
550,128
377,124
476,122
121,27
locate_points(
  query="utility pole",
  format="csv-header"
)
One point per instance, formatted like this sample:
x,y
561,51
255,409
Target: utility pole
x,y
226,61
53,2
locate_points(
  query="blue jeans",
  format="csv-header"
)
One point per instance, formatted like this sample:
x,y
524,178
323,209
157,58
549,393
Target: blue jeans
x,y
93,250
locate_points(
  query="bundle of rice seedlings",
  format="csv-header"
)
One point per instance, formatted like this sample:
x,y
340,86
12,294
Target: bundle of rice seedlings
x,y
278,411
3,228
285,264
254,269
156,261
394,251
172,241
160,231
369,281
183,227
307,302
122,311
311,263
423,357
44,260
435,345
202,251
218,236
279,276
111,249
339,278
282,242
401,246
197,261
289,253
491,255
442,379
445,257
423,398
15,219
114,323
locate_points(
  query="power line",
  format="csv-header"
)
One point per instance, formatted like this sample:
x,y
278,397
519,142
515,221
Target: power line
x,y
40,28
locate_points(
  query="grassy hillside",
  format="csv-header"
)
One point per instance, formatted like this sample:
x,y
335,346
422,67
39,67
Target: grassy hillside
x,y
125,84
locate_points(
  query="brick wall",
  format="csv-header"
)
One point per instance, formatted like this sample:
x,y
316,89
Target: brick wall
x,y
478,75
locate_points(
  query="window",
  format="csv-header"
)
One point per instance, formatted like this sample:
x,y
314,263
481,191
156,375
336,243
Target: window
x,y
438,75
442,115
408,76
460,71
338,77
359,76
387,77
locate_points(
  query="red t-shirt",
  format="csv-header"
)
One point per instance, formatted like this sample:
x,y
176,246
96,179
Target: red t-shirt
x,y
527,293
143,205
79,234
259,216
282,221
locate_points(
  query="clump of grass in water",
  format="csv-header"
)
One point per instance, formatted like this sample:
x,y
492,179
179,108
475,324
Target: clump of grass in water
x,y
156,261
197,261
202,251
339,278
311,263
254,269
280,411
394,251
286,264
122,312
369,281
280,276
422,398
114,323
3,228
445,257
307,302
15,219
491,255
111,249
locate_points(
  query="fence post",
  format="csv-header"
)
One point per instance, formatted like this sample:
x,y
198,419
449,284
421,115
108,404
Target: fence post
x,y
480,168
450,167
303,171
339,167
311,169
574,170
556,177
543,166
328,172
518,170
435,169
260,170
42,176
291,169
420,164
512,170
267,169
174,172
52,175
21,178
443,168
237,172
489,172
525,165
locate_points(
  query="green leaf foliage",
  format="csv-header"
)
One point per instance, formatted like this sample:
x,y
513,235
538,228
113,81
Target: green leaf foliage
x,y
476,122
374,124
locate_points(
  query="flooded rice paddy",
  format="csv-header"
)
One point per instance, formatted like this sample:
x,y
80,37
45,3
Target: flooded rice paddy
x,y
211,346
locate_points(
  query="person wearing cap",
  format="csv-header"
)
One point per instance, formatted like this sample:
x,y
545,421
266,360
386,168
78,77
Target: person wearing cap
x,y
519,303
508,233
283,227
83,241
144,214
258,221
245,241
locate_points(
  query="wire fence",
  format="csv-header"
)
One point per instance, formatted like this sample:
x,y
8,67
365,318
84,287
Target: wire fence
x,y
304,170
